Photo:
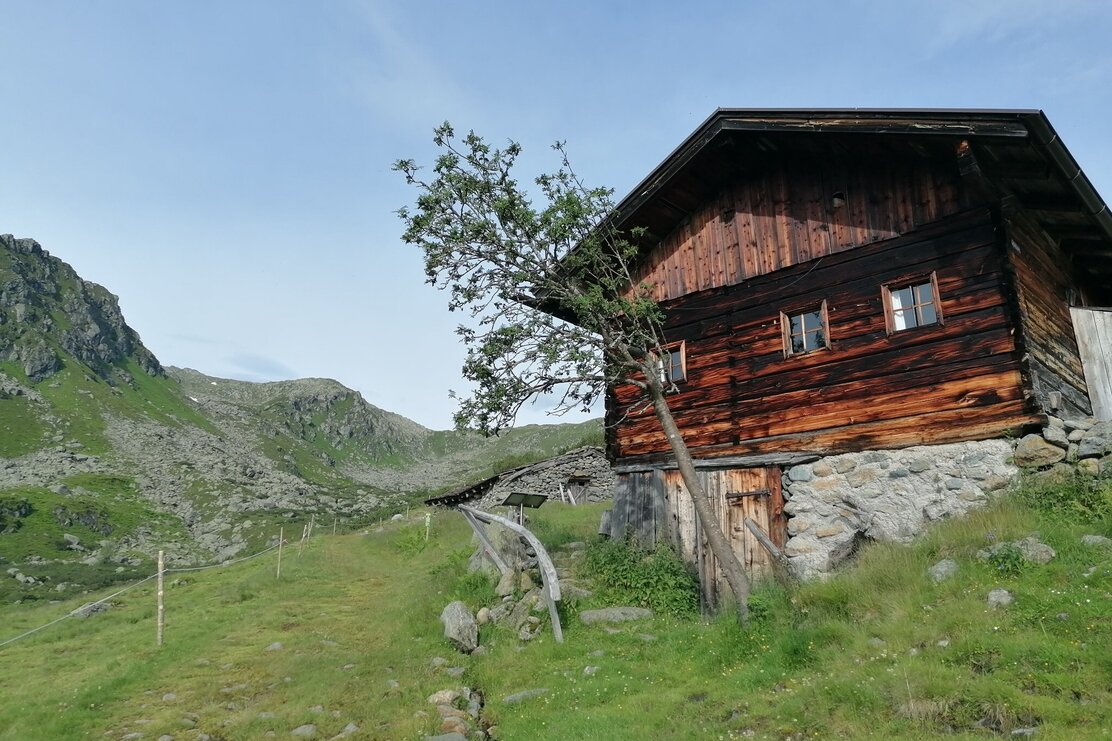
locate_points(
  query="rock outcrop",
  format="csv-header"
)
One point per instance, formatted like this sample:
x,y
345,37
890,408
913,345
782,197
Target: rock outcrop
x,y
47,310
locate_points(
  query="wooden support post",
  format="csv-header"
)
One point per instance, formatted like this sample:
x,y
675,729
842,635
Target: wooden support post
x,y
488,548
161,617
549,579
281,538
333,524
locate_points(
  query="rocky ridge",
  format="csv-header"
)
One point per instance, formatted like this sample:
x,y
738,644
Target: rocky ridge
x,y
47,312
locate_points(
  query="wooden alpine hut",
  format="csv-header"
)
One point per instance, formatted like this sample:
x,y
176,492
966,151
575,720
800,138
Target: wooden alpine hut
x,y
848,280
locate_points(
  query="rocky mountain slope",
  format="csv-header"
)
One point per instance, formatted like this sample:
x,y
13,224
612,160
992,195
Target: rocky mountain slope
x,y
101,444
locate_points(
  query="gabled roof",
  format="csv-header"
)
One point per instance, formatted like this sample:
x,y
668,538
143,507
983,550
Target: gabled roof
x,y
1017,152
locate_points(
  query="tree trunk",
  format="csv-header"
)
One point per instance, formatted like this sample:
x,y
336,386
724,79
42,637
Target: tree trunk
x,y
719,546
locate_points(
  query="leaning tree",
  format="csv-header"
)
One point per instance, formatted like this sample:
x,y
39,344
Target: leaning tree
x,y
554,309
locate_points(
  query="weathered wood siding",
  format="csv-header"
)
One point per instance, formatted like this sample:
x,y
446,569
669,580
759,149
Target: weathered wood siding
x,y
786,216
1044,281
951,381
653,506
1094,340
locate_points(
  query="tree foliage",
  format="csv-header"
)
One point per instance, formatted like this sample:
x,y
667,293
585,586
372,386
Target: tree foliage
x,y
516,268
554,308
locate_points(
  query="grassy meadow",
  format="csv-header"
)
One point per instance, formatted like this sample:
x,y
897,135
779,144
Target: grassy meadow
x,y
879,652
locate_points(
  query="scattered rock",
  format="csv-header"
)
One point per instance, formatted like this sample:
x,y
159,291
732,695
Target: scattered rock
x,y
93,608
943,570
1033,451
349,730
1035,551
276,646
589,671
524,695
1000,598
460,627
506,584
1056,436
1097,441
306,731
444,697
1098,541
169,697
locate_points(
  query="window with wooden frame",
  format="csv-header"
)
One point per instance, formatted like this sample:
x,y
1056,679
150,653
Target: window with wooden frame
x,y
910,304
805,331
673,363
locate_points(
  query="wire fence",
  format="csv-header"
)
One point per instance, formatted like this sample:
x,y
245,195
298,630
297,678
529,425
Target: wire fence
x,y
181,570
307,532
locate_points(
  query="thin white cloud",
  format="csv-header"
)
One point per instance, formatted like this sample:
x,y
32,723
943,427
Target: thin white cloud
x,y
397,76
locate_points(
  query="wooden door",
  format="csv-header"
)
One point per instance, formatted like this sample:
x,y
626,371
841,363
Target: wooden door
x,y
734,495
754,494
1093,328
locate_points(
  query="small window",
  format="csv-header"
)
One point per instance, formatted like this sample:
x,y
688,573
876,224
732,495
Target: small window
x,y
911,305
805,331
673,365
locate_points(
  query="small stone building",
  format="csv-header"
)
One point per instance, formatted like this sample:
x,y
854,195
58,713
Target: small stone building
x,y
583,475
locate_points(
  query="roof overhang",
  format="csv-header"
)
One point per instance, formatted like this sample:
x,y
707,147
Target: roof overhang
x,y
1017,151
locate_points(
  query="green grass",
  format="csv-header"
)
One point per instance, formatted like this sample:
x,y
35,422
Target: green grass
x,y
117,512
21,429
878,652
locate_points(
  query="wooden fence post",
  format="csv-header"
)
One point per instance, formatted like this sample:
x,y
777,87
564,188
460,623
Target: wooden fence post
x,y
161,601
281,537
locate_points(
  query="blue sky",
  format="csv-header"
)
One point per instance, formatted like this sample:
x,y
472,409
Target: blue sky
x,y
224,167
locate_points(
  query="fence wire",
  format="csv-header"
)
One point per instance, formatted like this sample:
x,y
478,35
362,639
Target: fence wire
x,y
102,600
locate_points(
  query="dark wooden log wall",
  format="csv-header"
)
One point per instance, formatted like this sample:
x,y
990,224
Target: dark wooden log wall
x,y
786,216
653,505
957,380
1044,281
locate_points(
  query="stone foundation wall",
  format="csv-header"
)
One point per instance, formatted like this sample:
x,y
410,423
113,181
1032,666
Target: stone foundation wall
x,y
838,501
835,502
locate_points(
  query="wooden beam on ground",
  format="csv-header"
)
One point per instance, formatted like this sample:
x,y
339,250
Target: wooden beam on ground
x,y
549,578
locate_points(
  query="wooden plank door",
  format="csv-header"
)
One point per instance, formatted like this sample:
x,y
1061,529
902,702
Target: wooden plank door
x,y
1093,328
753,493
733,495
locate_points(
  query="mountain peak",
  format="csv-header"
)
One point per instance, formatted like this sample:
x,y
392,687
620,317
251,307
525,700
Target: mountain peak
x,y
49,313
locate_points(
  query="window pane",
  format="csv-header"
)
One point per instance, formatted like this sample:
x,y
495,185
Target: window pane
x,y
796,323
924,294
928,314
903,319
797,343
811,340
675,365
812,321
902,299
